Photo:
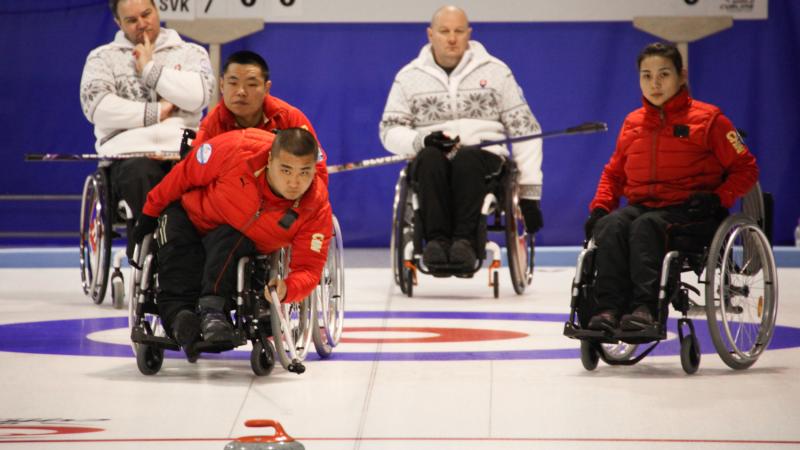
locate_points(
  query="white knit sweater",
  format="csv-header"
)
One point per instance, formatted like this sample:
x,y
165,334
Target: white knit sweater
x,y
123,106
480,100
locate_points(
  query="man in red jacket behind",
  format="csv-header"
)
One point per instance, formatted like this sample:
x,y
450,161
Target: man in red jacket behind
x,y
240,193
246,101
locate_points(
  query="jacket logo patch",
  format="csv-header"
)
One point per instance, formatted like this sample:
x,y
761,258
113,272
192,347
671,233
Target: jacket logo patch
x,y
203,153
483,83
316,242
735,140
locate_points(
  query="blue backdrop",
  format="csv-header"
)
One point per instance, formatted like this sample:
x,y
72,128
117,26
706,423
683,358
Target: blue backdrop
x,y
340,74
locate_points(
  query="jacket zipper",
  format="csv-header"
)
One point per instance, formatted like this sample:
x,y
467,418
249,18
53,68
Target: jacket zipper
x,y
654,151
255,216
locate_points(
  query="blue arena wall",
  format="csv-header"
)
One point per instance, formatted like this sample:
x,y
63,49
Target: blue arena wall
x,y
340,74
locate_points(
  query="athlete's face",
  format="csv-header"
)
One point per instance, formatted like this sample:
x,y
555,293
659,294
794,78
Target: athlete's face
x,y
243,88
659,79
449,35
137,18
290,176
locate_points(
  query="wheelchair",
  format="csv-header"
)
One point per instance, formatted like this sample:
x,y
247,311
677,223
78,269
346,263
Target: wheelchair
x,y
256,319
103,219
738,275
500,213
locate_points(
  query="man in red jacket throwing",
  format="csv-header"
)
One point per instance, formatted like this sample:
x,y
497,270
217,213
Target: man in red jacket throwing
x,y
240,193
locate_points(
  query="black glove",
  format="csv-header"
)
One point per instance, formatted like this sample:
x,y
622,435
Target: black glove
x,y
145,225
702,206
441,141
588,227
532,213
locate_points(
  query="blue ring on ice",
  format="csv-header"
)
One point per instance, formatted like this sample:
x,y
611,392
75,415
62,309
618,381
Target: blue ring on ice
x,y
69,337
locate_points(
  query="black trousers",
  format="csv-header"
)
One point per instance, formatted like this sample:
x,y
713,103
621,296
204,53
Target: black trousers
x,y
451,192
631,245
131,180
195,270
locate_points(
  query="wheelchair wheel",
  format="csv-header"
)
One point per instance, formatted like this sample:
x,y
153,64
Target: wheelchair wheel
x,y
518,242
741,305
589,355
297,337
329,317
621,351
262,357
141,304
117,290
149,359
690,354
95,236
402,232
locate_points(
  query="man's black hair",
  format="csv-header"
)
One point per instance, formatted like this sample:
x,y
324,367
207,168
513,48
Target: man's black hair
x,y
297,141
112,4
247,57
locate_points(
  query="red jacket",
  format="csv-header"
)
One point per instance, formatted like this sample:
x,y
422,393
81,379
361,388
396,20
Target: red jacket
x,y
663,155
224,182
279,116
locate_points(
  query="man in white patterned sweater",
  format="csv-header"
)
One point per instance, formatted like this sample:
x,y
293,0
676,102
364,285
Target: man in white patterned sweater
x,y
140,91
455,93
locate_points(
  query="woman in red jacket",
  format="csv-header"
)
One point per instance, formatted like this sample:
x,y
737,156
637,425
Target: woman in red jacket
x,y
679,162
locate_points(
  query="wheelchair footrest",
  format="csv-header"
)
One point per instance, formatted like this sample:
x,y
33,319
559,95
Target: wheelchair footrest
x,y
220,346
139,336
573,331
449,270
655,332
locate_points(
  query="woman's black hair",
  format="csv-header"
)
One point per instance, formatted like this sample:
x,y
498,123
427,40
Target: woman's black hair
x,y
663,49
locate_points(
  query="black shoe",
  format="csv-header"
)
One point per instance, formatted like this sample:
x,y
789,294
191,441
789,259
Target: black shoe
x,y
435,252
603,321
216,327
462,254
639,319
186,331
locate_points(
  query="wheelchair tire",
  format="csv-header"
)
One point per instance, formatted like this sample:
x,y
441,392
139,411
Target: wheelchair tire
x,y
402,228
328,318
408,282
690,354
300,320
117,290
149,359
262,357
589,355
519,243
741,306
620,351
95,236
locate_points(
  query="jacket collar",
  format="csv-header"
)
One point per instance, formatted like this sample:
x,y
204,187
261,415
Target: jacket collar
x,y
475,55
272,107
681,100
166,38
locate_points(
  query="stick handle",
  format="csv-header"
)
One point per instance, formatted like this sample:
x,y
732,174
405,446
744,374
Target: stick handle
x,y
159,155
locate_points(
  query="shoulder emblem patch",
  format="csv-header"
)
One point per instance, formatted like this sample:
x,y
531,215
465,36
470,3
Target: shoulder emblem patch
x,y
203,153
316,242
735,140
